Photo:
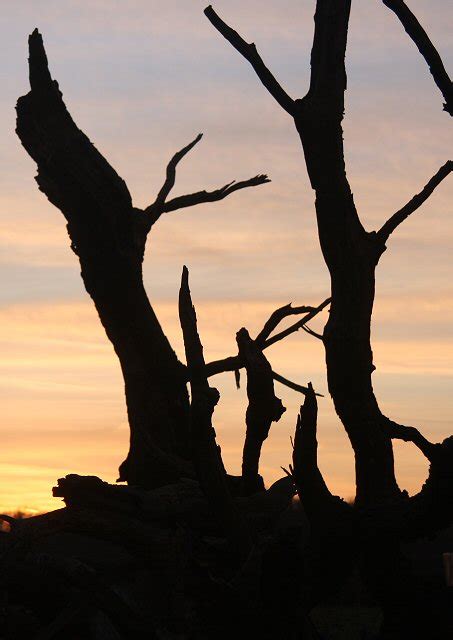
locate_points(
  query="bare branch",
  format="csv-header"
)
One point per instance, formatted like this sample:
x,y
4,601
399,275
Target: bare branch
x,y
420,38
155,209
264,407
200,197
234,362
292,385
310,332
298,325
250,53
277,316
416,202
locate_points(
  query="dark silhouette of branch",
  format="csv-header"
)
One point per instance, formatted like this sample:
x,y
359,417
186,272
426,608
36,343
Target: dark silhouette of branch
x,y
161,205
205,453
415,202
277,316
233,363
155,208
200,197
250,53
420,38
298,325
310,332
289,383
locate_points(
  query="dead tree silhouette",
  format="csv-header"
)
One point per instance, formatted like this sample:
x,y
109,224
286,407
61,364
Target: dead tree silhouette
x,y
172,439
382,512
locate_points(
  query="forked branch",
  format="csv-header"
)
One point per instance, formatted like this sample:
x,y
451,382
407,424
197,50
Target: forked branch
x,y
420,38
250,53
397,218
233,363
161,205
411,434
155,208
277,316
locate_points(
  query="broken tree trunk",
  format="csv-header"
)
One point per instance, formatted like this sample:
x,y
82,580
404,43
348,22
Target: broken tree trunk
x,y
264,408
108,235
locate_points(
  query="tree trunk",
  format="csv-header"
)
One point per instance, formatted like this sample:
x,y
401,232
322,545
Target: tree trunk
x,y
351,255
108,234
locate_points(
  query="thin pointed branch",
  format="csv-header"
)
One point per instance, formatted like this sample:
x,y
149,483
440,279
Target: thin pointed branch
x,y
234,362
277,316
429,52
413,204
298,325
155,209
293,385
310,332
201,197
205,453
250,53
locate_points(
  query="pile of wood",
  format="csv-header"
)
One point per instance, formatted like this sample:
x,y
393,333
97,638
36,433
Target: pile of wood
x,y
123,562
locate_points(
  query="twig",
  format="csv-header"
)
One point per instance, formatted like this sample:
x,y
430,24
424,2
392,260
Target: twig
x,y
234,362
155,209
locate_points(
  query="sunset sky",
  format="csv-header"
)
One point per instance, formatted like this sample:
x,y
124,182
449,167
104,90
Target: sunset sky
x,y
142,78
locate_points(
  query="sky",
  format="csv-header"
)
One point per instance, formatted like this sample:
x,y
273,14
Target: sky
x,y
141,79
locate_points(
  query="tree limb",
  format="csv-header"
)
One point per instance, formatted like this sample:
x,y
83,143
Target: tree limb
x,y
292,385
397,218
200,197
298,325
155,209
277,316
250,53
234,363
429,52
410,434
310,332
